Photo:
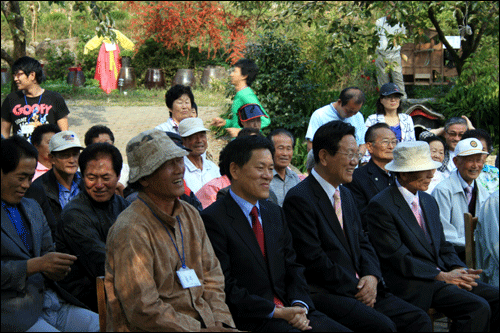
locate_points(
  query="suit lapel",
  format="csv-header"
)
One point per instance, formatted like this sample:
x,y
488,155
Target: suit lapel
x,y
271,239
406,215
431,224
35,227
242,227
326,208
375,176
10,230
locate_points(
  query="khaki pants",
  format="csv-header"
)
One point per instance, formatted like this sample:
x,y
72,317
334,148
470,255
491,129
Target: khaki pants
x,y
396,71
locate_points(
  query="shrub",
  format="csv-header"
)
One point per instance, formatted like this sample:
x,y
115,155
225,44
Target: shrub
x,y
476,92
282,85
58,63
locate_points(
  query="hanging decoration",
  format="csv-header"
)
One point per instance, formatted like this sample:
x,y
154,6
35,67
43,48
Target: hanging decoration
x,y
108,62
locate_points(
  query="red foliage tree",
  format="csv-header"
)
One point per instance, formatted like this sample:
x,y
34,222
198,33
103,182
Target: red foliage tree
x,y
176,24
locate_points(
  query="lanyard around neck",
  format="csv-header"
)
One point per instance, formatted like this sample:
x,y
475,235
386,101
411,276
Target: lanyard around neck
x,y
39,101
183,258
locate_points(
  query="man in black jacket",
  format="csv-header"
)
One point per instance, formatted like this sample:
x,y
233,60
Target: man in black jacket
x,y
85,221
370,179
63,182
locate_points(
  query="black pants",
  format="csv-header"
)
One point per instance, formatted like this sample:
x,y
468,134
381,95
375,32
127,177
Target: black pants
x,y
390,313
318,321
470,311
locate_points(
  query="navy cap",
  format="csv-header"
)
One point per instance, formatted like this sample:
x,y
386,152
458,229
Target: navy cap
x,y
176,138
250,111
389,89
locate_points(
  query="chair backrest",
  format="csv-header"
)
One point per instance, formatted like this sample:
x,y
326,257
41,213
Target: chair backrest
x,y
101,302
470,224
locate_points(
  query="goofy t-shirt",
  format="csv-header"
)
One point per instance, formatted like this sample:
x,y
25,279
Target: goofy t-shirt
x,y
26,113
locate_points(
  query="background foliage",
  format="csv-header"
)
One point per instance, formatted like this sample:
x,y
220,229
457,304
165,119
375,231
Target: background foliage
x,y
307,50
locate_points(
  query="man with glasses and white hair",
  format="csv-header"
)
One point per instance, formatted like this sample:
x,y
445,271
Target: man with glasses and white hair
x,y
371,178
452,132
342,268
418,263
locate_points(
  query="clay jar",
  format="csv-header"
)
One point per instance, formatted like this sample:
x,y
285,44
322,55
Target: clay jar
x,y
184,77
154,79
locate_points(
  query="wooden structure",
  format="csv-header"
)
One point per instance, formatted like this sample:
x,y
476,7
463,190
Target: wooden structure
x,y
425,62
470,224
101,302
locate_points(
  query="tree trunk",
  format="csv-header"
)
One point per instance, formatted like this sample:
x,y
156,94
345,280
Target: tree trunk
x,y
12,13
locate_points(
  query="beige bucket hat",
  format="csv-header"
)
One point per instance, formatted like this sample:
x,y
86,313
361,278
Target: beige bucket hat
x,y
412,156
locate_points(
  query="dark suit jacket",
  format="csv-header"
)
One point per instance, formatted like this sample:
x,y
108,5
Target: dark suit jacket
x,y
250,282
367,182
22,296
330,257
408,260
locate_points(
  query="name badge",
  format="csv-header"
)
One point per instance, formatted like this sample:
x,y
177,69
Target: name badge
x,y
188,278
27,129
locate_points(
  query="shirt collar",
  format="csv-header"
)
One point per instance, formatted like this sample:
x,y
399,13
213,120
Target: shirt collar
x,y
463,183
327,187
245,206
409,197
336,112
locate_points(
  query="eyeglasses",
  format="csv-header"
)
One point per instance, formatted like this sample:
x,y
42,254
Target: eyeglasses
x,y
454,134
385,143
352,155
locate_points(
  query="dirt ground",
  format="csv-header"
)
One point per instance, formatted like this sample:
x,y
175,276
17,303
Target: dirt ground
x,y
127,122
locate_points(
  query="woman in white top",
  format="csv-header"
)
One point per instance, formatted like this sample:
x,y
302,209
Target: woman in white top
x,y
389,111
179,100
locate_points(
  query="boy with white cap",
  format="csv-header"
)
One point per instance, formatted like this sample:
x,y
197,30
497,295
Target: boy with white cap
x,y
199,170
63,182
161,270
417,262
461,193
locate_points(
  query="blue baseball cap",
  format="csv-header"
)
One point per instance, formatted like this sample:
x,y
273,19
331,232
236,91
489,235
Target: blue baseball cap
x,y
250,111
389,89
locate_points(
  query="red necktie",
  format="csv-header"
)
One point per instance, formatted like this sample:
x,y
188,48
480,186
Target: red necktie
x,y
259,234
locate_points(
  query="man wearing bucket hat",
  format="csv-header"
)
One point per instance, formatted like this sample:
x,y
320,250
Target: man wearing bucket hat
x,y
460,192
417,262
63,182
199,170
161,270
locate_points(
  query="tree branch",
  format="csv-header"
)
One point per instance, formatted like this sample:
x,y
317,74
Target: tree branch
x,y
7,57
442,38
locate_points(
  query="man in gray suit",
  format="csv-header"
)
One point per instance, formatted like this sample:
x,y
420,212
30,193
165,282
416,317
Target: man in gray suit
x,y
31,300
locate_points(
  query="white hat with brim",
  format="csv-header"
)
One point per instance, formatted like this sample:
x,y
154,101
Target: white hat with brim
x,y
190,126
64,140
468,147
148,151
412,156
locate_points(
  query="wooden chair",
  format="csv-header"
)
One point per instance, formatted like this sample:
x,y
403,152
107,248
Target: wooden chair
x,y
435,315
101,302
470,243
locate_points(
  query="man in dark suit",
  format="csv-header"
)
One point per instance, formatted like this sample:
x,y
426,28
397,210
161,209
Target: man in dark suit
x,y
265,287
370,179
342,268
31,299
419,265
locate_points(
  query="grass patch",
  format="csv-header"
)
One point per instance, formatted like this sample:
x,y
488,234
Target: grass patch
x,y
92,95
